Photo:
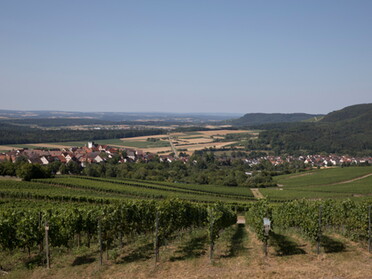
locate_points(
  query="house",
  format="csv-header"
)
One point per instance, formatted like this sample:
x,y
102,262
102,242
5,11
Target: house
x,y
93,157
131,154
3,158
34,160
45,160
60,158
91,144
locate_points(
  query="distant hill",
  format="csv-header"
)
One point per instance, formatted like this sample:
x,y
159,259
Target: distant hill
x,y
250,119
348,113
347,131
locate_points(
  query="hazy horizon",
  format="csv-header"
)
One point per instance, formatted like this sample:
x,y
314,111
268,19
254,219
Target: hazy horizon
x,y
185,56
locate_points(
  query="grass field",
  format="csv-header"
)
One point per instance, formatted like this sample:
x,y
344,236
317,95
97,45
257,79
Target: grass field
x,y
348,182
363,186
322,176
292,194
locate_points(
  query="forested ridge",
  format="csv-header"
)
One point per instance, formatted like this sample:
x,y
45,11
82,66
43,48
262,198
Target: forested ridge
x,y
348,131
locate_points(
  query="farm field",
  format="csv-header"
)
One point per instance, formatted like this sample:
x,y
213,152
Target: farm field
x,y
187,142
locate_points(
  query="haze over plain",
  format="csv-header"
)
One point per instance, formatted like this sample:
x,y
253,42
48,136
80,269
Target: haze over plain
x,y
185,56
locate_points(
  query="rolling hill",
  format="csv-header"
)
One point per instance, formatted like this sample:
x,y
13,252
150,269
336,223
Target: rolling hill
x,y
347,131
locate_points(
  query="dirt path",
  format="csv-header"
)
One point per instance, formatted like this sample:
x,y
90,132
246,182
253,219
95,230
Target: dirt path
x,y
256,193
173,147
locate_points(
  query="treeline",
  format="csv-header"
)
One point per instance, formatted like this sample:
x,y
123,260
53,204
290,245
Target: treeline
x,y
26,171
203,167
341,137
13,134
348,131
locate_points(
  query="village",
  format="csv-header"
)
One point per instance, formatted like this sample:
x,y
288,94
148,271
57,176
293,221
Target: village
x,y
96,153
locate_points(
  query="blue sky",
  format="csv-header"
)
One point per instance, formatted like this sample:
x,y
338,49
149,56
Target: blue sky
x,y
185,56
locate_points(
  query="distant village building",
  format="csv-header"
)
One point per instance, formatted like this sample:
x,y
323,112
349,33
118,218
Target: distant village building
x,y
95,153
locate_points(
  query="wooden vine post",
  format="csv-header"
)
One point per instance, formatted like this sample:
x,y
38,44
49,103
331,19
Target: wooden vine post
x,y
211,244
121,228
156,240
319,231
266,229
47,244
100,242
369,230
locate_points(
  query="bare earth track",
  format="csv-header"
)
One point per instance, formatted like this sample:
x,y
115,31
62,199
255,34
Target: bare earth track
x,y
256,193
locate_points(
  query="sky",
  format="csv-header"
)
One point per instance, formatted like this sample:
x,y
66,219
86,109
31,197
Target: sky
x,y
312,56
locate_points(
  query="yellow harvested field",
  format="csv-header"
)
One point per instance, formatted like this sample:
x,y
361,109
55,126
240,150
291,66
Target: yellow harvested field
x,y
157,150
51,145
6,147
144,138
192,147
217,127
151,150
193,141
223,132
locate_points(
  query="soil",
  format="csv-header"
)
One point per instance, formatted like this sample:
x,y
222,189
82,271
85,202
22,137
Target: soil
x,y
256,193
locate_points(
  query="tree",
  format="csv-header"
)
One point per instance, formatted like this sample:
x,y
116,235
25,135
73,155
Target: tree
x,y
32,171
73,167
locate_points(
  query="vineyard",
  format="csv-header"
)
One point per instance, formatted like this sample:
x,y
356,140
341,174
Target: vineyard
x,y
156,190
76,222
